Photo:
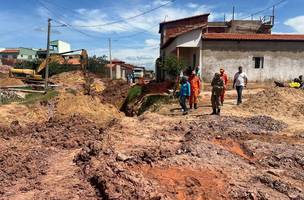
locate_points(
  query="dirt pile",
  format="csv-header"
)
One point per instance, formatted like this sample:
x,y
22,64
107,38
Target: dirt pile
x,y
10,82
37,160
277,101
73,101
72,79
68,133
4,69
87,106
22,113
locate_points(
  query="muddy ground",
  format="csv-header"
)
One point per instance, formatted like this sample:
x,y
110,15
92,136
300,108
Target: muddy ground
x,y
247,153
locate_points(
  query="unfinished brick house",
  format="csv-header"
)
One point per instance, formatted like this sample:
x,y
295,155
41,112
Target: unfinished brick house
x,y
248,43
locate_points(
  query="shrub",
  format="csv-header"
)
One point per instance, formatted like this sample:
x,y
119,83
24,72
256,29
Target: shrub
x,y
173,65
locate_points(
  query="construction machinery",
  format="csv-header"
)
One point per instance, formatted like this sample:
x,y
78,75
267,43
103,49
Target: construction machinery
x,y
80,59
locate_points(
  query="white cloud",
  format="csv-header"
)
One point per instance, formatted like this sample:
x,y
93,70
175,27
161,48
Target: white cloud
x,y
98,17
296,23
160,2
145,56
192,5
152,42
149,22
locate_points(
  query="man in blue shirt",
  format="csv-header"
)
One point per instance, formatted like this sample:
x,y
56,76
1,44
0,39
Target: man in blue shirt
x,y
184,94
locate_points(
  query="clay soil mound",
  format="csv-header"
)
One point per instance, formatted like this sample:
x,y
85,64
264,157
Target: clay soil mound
x,y
87,106
71,132
72,79
277,102
24,114
10,81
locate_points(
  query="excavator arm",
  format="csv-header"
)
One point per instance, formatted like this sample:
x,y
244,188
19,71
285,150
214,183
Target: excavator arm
x,y
53,58
61,58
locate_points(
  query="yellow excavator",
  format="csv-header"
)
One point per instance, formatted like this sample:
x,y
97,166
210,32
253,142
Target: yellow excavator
x,y
61,58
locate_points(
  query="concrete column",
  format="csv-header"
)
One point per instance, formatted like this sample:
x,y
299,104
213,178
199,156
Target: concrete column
x,y
201,61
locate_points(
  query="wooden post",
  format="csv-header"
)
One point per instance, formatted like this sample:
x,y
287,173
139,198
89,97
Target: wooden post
x,y
47,55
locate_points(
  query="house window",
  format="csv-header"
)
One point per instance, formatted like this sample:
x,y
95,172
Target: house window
x,y
258,62
21,55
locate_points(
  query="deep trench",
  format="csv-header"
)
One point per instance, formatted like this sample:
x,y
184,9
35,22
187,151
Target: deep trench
x,y
99,187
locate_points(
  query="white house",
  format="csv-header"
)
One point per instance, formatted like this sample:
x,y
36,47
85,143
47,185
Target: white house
x,y
247,43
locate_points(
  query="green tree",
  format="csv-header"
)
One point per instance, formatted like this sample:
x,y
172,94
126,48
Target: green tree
x,y
173,65
97,65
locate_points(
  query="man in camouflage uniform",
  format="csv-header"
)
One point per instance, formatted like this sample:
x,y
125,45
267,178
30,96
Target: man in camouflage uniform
x,y
217,90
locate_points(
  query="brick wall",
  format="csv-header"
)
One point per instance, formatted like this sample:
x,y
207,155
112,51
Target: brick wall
x,y
171,29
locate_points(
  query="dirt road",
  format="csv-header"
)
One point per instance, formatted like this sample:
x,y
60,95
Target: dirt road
x,y
247,153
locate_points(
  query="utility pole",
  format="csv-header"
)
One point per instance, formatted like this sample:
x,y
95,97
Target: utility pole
x,y
273,13
233,13
47,55
110,57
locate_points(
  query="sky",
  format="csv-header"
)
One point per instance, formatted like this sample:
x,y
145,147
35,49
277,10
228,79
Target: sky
x,y
90,24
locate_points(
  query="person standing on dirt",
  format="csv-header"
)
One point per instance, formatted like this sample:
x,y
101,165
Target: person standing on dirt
x,y
195,84
184,94
240,82
224,77
217,90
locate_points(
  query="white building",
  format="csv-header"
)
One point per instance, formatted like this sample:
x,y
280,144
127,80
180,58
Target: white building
x,y
247,43
58,46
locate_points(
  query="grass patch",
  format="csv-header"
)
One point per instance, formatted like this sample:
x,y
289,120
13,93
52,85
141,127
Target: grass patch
x,y
153,103
133,93
5,100
71,91
37,97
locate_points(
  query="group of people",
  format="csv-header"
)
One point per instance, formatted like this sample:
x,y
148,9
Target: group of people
x,y
191,88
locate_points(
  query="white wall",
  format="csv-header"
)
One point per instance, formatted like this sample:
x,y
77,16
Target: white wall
x,y
282,60
118,72
63,47
189,39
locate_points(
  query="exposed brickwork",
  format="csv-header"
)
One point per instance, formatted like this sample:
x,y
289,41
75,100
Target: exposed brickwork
x,y
172,28
216,30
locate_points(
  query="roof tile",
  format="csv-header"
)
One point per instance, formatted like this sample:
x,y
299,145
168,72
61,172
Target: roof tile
x,y
238,36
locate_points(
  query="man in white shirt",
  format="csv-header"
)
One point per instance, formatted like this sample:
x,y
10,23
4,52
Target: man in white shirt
x,y
240,81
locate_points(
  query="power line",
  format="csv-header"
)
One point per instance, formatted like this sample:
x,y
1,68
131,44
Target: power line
x,y
128,18
265,9
64,24
75,12
71,27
